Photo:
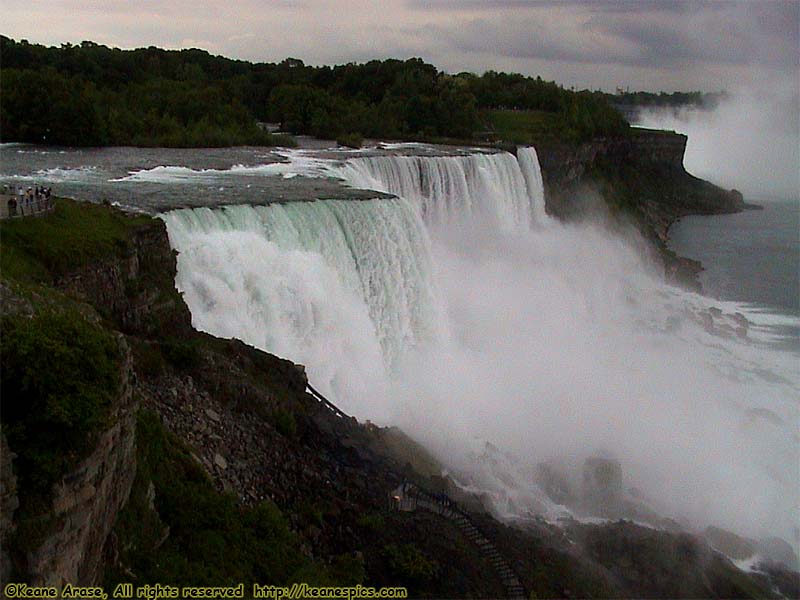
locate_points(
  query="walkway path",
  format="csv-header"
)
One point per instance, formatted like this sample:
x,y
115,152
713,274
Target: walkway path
x,y
408,497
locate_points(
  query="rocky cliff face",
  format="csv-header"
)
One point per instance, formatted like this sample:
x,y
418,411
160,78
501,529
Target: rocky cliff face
x,y
564,166
136,290
9,502
646,172
87,499
641,176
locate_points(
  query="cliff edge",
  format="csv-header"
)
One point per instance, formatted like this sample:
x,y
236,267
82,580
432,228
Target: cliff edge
x,y
641,176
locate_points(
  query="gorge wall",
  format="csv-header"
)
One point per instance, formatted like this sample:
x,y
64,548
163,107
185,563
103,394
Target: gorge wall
x,y
130,290
644,169
87,499
133,287
640,176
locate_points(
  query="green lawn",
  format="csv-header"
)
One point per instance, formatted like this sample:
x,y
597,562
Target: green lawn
x,y
35,248
527,126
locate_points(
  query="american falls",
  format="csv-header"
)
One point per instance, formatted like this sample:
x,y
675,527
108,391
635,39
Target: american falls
x,y
504,340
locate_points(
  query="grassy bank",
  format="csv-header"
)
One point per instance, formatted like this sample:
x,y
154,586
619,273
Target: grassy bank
x,y
75,233
531,127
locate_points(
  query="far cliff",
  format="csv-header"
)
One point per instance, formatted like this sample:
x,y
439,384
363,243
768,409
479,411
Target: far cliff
x,y
640,176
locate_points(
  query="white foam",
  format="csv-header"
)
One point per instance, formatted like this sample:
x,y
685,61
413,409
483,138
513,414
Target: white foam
x,y
58,174
296,163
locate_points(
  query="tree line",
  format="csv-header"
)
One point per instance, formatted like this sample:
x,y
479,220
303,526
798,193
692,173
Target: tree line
x,y
695,99
90,94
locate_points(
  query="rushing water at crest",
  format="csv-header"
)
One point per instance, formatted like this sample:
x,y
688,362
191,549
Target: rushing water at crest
x,y
491,187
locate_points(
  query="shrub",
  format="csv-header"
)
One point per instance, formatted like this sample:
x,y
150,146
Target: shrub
x,y
60,375
374,522
284,422
180,354
350,140
148,358
409,564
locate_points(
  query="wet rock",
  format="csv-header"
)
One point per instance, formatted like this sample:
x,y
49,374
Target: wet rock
x,y
764,414
785,581
740,320
730,544
775,549
554,483
602,486
707,321
220,461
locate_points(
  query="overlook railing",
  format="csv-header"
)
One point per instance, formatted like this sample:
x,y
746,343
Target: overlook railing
x,y
327,403
14,206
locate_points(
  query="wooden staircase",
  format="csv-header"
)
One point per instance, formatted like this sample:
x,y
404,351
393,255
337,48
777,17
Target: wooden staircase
x,y
408,497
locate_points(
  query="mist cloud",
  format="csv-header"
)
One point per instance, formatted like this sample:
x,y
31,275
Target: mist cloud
x,y
750,142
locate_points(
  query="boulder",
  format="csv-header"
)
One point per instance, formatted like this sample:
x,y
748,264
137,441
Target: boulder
x,y
554,483
730,544
602,486
777,550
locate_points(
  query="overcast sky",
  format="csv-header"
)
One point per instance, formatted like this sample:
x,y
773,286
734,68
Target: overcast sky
x,y
655,45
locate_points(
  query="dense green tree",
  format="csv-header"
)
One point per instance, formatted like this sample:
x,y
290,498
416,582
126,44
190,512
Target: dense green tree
x,y
89,94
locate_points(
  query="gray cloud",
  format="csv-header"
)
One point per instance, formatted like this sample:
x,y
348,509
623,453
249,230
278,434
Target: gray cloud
x,y
589,43
640,34
530,38
606,6
721,33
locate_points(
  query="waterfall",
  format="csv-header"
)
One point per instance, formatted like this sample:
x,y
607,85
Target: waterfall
x,y
532,172
495,188
316,281
340,286
451,312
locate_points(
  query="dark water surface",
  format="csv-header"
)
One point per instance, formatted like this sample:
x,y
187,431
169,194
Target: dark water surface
x,y
159,179
751,257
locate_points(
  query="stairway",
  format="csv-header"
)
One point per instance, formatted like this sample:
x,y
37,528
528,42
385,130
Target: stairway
x,y
408,497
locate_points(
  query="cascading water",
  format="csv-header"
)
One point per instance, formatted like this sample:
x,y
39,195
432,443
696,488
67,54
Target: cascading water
x,y
445,312
531,171
340,286
495,188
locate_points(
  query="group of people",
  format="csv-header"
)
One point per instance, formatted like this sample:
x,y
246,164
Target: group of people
x,y
24,201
